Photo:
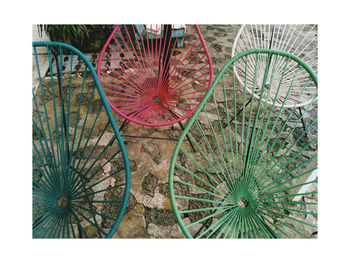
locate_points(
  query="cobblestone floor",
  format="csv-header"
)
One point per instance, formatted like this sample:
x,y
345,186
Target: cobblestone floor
x,y
149,213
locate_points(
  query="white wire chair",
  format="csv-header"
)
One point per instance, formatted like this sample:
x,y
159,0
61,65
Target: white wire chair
x,y
299,40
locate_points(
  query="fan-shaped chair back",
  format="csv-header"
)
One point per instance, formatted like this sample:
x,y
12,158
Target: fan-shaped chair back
x,y
155,75
299,40
81,173
243,179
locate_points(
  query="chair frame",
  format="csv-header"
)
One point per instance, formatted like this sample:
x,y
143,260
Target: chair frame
x,y
109,113
290,36
173,196
177,119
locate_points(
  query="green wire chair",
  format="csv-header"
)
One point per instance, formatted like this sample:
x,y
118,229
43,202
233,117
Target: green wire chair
x,y
81,173
252,159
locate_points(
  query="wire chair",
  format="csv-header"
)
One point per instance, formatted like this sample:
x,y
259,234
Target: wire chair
x,y
81,173
158,78
244,178
300,40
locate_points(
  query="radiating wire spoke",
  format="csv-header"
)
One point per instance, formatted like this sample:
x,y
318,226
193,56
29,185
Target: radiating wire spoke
x,y
299,40
149,72
75,141
253,172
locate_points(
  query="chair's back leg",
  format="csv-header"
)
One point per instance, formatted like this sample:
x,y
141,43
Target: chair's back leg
x,y
165,57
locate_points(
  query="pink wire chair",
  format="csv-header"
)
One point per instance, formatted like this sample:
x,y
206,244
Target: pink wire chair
x,y
155,75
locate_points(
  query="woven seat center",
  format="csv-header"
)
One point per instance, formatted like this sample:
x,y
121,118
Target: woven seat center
x,y
155,99
62,201
243,202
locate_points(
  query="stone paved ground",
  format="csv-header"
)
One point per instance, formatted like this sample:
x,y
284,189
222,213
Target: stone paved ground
x,y
149,213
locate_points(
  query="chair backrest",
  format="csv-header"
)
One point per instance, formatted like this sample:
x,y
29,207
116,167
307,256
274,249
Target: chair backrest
x,y
81,173
299,40
251,158
158,78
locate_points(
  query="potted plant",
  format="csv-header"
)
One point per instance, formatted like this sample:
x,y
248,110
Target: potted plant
x,y
86,38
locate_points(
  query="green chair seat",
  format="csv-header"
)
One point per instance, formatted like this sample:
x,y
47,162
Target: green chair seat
x,y
252,156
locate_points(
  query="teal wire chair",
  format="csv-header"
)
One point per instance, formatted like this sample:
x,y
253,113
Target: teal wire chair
x,y
253,159
81,173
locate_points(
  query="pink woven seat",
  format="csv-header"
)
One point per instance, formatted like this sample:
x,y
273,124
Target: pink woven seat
x,y
155,79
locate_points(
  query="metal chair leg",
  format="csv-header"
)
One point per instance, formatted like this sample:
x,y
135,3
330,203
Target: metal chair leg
x,y
182,127
125,122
